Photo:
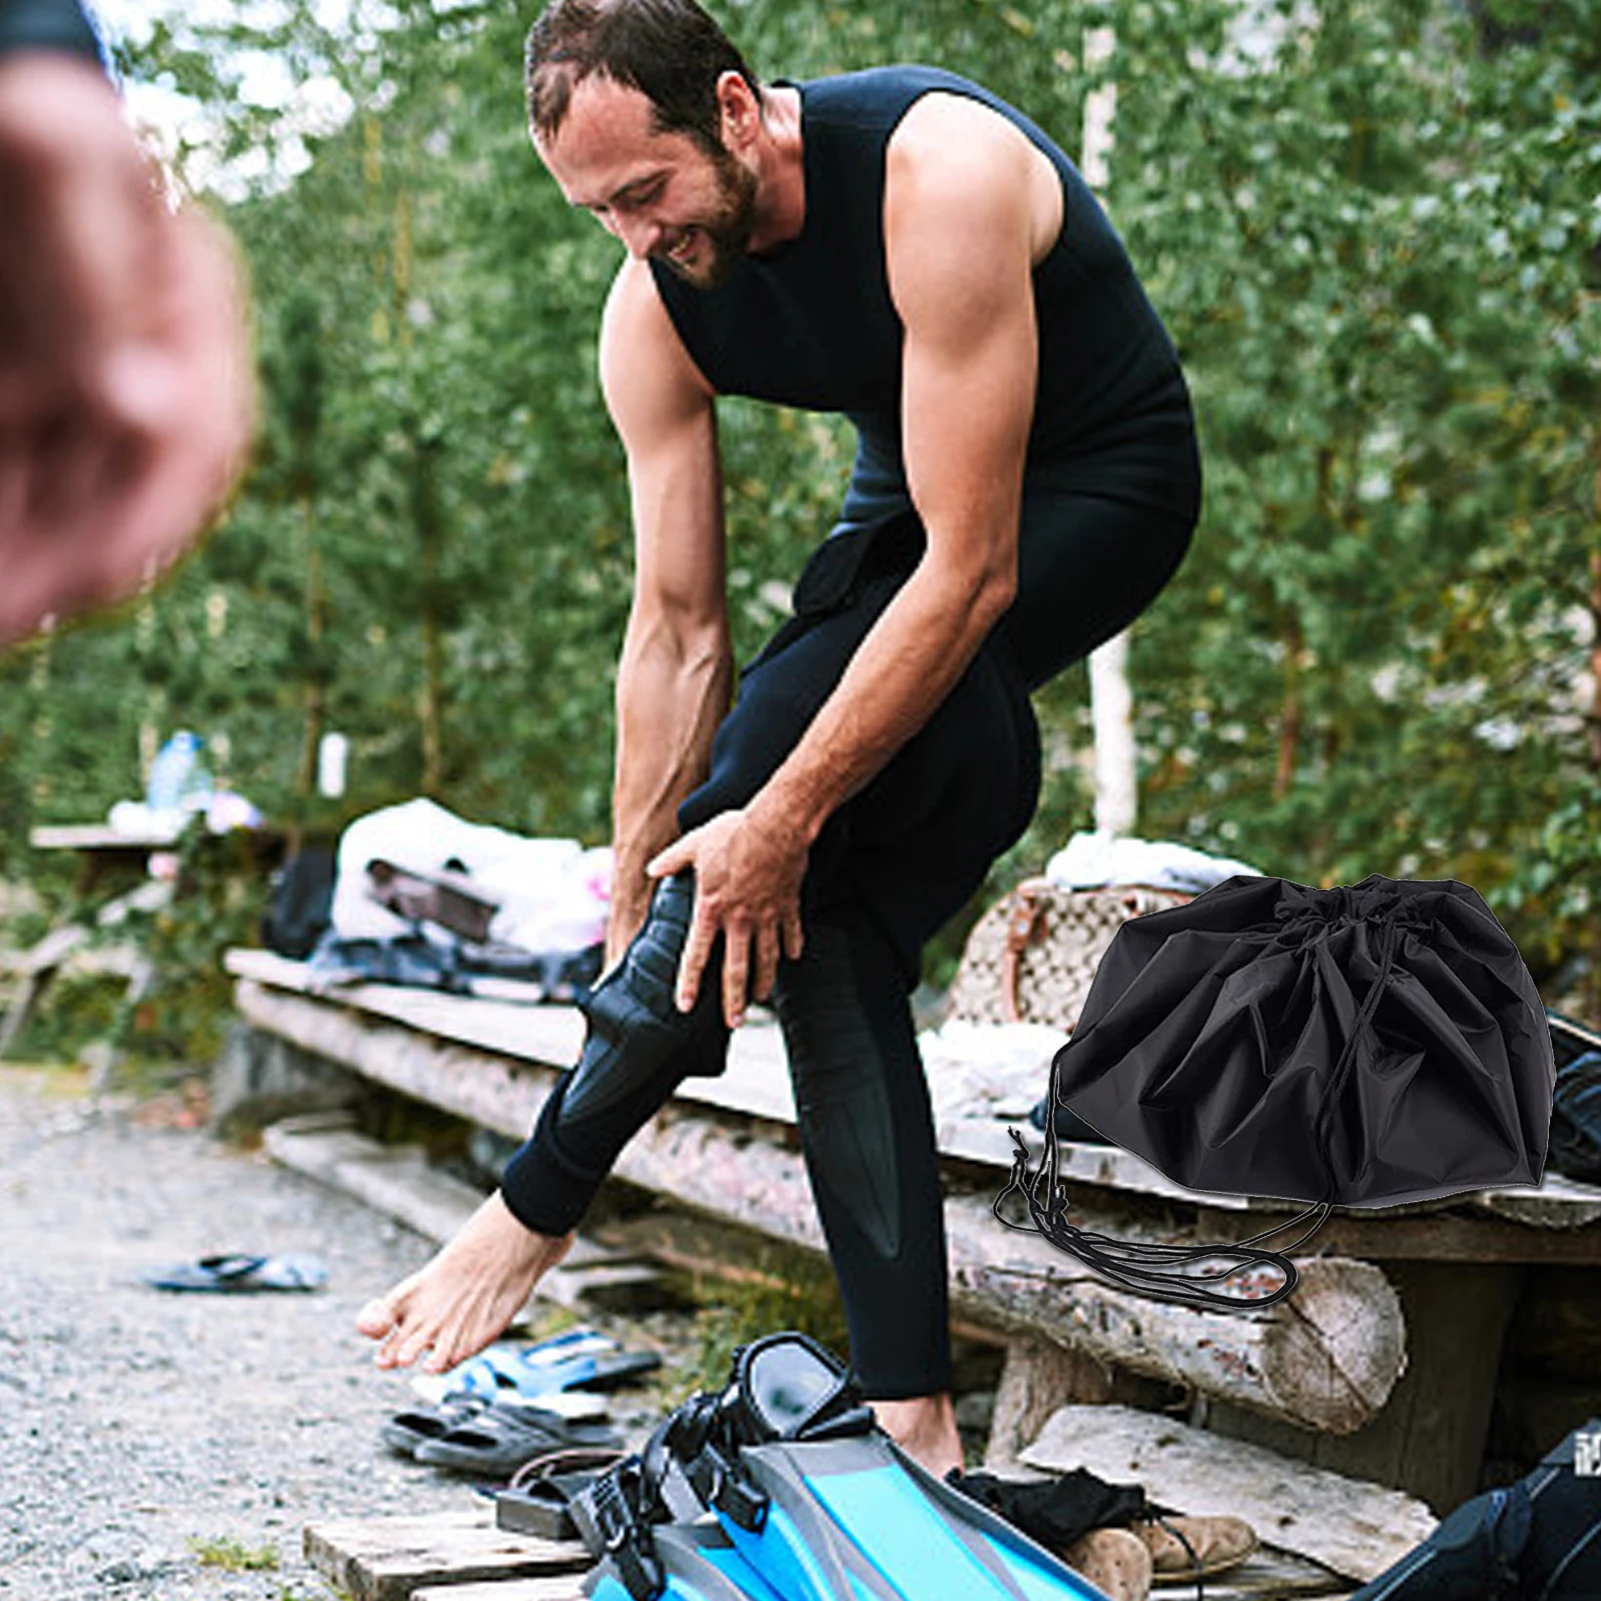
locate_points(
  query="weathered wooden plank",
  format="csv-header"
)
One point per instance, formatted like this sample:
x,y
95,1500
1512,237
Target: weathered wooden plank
x,y
1355,1529
549,1036
1431,1434
1434,1236
558,1589
99,837
389,1559
988,1142
1559,1203
1268,1576
490,1088
1327,1364
1037,1378
757,1085
1327,1358
756,1082
395,1181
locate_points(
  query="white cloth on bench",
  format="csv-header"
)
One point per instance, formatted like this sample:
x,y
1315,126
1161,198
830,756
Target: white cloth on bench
x,y
552,894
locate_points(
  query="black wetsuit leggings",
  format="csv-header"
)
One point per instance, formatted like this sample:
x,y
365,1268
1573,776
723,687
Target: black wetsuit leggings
x,y
887,871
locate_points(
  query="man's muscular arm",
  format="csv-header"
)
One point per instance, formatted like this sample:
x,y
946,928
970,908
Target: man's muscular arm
x,y
676,671
966,216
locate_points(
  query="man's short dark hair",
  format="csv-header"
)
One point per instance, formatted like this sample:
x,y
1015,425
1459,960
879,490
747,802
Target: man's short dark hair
x,y
669,50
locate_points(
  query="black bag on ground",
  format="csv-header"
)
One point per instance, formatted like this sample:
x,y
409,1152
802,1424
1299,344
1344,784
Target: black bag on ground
x,y
1361,1046
1536,1540
300,902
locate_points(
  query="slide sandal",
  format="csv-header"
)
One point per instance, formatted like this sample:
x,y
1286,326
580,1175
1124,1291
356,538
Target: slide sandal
x,y
500,1439
580,1358
405,1431
240,1274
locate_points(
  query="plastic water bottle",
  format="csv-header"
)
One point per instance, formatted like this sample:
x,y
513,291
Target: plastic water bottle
x,y
178,783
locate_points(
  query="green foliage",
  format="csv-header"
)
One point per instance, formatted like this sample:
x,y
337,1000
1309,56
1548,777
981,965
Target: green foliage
x,y
779,1290
79,1011
1372,226
182,1016
234,1556
1378,260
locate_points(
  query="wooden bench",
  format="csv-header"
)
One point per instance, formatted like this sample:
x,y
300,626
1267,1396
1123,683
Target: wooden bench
x,y
1381,1369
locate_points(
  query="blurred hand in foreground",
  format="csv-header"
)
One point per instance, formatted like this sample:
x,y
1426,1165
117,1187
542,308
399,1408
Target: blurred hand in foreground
x,y
126,402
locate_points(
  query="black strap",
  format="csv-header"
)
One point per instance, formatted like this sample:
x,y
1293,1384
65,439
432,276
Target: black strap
x,y
618,1529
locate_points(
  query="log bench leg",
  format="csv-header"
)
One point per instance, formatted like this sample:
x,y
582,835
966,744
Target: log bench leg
x,y
1038,1377
1429,1438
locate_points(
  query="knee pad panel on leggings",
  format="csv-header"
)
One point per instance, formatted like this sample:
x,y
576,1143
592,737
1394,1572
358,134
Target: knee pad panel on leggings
x,y
844,1111
638,1048
635,1026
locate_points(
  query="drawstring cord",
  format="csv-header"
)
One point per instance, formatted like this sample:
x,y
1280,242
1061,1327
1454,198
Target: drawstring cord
x,y
1167,1272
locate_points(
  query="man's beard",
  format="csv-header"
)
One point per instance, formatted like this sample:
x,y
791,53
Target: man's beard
x,y
727,231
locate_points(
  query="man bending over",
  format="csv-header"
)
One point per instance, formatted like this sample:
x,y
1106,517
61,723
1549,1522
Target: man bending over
x,y
902,247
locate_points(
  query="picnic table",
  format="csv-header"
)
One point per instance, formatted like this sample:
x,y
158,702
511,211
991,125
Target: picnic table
x,y
112,879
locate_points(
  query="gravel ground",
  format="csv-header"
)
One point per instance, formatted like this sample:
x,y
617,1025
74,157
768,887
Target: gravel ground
x,y
150,1443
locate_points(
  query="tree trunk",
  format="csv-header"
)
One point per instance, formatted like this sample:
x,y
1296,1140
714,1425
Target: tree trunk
x,y
1291,712
316,604
1111,697
1112,709
429,526
1595,621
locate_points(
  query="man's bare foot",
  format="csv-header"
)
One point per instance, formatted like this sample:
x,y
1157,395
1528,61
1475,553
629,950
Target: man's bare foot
x,y
453,1307
924,1427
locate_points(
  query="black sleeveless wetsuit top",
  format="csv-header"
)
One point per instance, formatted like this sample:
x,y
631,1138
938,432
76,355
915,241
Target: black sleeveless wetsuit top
x,y
812,324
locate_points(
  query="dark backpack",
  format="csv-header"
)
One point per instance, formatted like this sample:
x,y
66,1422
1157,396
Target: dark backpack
x,y
1576,1100
1536,1540
300,902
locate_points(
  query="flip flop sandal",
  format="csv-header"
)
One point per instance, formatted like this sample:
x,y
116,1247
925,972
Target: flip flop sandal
x,y
581,1358
240,1274
539,1499
500,1439
405,1431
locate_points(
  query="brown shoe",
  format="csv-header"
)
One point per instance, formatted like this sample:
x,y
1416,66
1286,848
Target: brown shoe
x,y
1114,1561
1214,1544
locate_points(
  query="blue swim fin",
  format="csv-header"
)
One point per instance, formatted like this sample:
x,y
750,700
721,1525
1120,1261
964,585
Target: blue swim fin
x,y
644,1558
822,1505
692,1562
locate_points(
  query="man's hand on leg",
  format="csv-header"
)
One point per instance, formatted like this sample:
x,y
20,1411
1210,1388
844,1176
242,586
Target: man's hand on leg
x,y
747,890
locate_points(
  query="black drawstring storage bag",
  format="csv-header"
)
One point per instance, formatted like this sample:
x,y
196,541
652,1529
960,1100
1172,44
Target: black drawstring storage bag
x,y
1360,1046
